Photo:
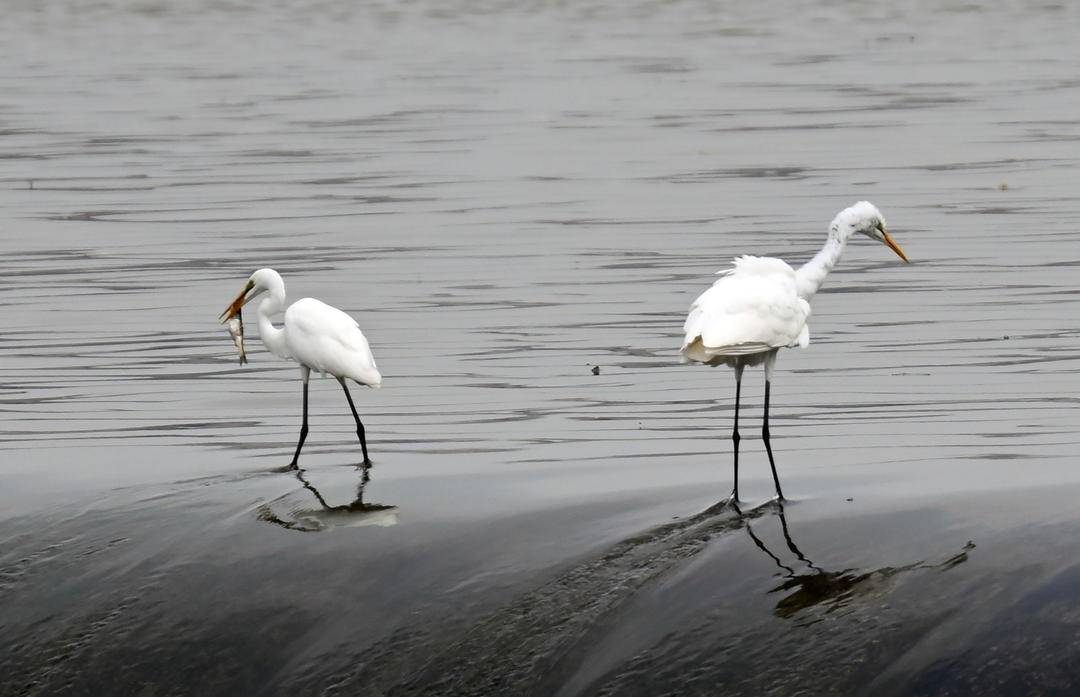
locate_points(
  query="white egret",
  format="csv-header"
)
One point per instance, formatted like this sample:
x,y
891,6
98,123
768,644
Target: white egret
x,y
761,305
315,335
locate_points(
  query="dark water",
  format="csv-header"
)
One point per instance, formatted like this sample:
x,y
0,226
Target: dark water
x,y
505,196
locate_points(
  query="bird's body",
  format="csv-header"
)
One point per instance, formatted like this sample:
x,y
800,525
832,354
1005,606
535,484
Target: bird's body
x,y
327,340
762,305
317,336
754,308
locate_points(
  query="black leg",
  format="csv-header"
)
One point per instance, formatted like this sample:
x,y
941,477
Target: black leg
x,y
359,426
735,436
303,430
768,447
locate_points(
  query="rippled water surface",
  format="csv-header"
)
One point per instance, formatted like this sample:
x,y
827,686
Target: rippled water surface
x,y
507,195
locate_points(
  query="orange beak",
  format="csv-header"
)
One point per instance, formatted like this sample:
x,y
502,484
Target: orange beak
x,y
234,308
892,244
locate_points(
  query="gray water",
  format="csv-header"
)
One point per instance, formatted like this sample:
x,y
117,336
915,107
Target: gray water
x,y
506,195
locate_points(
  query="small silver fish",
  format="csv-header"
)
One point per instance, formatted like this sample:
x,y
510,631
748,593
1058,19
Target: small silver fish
x,y
236,331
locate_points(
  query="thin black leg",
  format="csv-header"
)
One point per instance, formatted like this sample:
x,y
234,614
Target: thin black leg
x,y
303,431
359,426
735,437
768,447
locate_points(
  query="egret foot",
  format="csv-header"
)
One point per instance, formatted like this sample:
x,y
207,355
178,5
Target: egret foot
x,y
731,503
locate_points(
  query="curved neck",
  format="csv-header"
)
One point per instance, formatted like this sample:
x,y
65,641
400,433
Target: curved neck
x,y
811,275
272,337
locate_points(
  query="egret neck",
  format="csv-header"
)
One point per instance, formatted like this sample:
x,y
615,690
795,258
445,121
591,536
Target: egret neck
x,y
272,337
811,275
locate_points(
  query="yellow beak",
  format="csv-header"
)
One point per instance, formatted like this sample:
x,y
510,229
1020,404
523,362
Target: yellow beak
x,y
234,307
892,244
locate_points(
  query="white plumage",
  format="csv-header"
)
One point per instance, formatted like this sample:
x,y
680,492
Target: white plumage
x,y
315,335
762,305
753,308
327,340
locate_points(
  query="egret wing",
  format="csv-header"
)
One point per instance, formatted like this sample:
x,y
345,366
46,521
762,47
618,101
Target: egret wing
x,y
752,308
326,339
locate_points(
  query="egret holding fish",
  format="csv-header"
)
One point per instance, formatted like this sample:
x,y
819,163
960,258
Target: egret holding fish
x,y
315,335
762,304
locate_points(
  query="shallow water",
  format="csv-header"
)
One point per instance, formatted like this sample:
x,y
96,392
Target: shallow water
x,y
505,197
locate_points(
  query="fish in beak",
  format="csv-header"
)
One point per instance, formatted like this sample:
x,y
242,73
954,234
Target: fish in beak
x,y
236,331
234,308
891,243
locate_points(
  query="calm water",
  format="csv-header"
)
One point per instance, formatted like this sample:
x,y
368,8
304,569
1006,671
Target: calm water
x,y
506,195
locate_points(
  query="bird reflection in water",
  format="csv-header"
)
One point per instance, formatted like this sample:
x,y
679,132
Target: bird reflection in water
x,y
831,590
357,513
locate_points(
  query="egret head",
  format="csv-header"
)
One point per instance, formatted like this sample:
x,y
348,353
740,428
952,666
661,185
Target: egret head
x,y
258,283
864,218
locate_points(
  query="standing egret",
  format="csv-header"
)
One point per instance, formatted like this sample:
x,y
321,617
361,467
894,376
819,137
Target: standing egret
x,y
317,336
761,306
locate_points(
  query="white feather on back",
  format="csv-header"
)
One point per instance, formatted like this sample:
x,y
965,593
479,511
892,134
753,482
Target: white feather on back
x,y
327,340
753,308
